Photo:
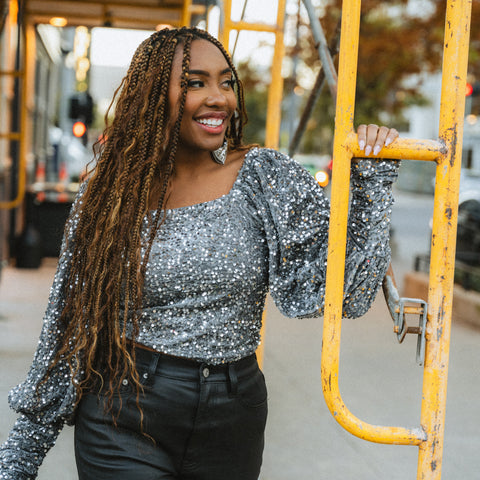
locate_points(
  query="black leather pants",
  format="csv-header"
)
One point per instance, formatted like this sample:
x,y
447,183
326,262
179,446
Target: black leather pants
x,y
205,423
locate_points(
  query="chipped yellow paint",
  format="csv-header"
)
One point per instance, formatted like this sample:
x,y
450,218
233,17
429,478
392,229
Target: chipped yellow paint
x,y
446,152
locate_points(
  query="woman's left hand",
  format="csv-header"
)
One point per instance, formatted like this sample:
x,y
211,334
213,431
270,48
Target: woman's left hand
x,y
373,138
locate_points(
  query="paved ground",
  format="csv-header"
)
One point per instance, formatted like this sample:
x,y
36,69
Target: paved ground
x,y
379,380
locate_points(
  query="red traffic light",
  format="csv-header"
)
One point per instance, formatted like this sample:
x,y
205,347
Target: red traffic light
x,y
79,129
468,89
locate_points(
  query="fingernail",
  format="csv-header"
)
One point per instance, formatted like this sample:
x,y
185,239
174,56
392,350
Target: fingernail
x,y
368,150
376,150
387,142
361,144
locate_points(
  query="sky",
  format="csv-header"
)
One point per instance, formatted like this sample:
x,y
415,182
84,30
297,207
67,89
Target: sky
x,y
105,41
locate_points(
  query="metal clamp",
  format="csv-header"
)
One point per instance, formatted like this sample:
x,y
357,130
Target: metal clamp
x,y
398,310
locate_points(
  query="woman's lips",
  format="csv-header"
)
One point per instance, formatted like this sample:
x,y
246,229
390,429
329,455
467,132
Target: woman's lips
x,y
211,124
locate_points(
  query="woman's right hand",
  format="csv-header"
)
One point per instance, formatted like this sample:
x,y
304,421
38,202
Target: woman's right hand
x,y
373,138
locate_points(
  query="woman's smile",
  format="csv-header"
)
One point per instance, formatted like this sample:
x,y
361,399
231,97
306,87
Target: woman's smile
x,y
210,101
214,122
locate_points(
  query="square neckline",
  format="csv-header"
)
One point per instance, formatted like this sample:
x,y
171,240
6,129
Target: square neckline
x,y
221,197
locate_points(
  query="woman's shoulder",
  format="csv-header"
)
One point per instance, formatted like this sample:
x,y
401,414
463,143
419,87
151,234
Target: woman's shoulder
x,y
270,161
271,165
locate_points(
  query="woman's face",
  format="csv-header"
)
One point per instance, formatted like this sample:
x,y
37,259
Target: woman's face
x,y
210,101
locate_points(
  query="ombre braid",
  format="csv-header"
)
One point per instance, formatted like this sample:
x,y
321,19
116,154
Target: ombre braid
x,y
137,154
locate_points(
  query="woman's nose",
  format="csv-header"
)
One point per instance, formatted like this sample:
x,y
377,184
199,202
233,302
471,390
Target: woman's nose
x,y
216,97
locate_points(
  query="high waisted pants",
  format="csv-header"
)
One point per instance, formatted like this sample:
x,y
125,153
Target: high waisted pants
x,y
200,422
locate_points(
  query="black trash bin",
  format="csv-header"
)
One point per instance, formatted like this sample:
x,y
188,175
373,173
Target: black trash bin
x,y
42,236
28,248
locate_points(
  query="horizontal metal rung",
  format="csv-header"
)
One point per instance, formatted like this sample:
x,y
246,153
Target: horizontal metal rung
x,y
11,135
256,27
13,73
410,310
403,149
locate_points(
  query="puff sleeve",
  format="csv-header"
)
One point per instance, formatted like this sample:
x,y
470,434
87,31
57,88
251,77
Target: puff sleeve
x,y
295,213
44,407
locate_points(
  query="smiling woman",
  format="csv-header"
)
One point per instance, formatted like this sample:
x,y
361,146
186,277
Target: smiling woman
x,y
210,102
149,338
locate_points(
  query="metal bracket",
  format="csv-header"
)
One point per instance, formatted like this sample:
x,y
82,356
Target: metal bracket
x,y
398,310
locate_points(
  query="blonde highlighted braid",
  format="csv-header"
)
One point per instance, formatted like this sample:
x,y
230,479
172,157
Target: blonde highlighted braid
x,y
105,279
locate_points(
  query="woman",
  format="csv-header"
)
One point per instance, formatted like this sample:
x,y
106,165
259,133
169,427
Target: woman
x,y
155,312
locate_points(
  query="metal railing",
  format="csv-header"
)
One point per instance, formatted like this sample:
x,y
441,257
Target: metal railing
x,y
446,152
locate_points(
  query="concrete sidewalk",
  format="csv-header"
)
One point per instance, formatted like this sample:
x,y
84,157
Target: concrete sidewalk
x,y
379,379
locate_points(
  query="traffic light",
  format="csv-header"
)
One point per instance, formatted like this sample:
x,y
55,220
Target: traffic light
x,y
81,112
472,89
79,129
81,108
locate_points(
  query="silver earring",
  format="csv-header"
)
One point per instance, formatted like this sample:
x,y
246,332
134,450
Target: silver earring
x,y
220,154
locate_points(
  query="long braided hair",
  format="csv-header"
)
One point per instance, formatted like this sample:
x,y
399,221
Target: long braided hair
x,y
107,269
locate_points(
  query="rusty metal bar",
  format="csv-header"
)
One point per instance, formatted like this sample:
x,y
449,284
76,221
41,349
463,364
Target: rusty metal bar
x,y
337,243
447,154
442,260
403,149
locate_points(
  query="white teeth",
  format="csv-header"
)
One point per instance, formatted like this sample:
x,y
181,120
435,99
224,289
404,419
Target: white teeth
x,y
211,122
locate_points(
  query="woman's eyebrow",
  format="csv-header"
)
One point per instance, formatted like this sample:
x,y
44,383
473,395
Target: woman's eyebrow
x,y
207,74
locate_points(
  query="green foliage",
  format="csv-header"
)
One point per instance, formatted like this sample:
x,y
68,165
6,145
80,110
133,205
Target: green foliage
x,y
256,96
395,45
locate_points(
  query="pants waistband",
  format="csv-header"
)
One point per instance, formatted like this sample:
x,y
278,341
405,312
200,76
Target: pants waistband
x,y
188,369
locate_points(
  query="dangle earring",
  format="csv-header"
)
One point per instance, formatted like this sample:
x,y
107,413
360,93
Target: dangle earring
x,y
220,154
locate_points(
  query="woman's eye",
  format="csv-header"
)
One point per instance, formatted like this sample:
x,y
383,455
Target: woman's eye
x,y
195,83
229,83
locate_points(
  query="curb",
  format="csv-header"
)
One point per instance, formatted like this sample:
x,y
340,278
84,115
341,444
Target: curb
x,y
466,303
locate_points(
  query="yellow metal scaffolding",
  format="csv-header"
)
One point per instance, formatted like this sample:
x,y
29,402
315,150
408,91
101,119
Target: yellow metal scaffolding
x,y
20,135
446,152
274,106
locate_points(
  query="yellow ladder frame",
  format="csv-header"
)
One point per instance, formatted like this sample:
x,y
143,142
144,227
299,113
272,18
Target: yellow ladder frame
x,y
274,105
446,152
19,136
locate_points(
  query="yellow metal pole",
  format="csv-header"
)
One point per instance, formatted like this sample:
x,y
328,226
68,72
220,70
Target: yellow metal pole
x,y
186,13
22,166
274,106
227,23
337,243
442,260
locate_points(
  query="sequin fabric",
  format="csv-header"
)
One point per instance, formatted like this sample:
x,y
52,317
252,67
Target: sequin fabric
x,y
209,271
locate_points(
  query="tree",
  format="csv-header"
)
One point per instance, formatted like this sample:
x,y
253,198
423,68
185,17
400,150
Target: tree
x,y
396,43
256,95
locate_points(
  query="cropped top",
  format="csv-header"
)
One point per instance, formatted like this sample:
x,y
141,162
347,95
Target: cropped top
x,y
207,276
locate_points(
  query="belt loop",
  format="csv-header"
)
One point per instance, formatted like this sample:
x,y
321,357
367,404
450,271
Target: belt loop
x,y
152,368
232,376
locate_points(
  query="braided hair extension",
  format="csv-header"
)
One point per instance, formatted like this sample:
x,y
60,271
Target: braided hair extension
x,y
137,154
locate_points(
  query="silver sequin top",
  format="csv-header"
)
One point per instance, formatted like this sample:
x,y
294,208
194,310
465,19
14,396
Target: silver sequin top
x,y
209,270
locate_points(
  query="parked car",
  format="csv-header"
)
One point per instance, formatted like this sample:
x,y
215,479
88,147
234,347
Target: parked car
x,y
468,226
